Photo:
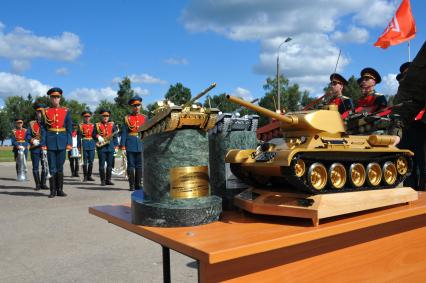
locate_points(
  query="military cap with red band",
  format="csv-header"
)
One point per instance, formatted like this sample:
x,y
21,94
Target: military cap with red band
x,y
54,91
135,100
371,73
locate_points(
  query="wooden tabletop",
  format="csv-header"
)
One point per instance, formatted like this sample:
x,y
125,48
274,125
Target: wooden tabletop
x,y
239,234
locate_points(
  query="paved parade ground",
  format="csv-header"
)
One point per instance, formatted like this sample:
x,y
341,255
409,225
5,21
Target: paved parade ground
x,y
57,240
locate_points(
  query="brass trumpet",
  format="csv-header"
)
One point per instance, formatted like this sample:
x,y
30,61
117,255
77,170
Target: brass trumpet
x,y
107,140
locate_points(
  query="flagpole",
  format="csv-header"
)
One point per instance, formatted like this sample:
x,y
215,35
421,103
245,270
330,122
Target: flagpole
x,y
409,57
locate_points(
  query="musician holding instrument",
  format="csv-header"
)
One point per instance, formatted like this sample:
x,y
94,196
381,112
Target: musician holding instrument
x,y
86,144
131,143
337,84
33,137
18,141
371,101
56,140
106,135
74,153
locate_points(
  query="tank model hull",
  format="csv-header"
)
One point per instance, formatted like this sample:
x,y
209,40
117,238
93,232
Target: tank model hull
x,y
228,122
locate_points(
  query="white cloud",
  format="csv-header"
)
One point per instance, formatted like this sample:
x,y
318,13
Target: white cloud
x,y
389,84
142,78
21,45
18,66
176,61
376,14
243,93
141,91
92,96
62,71
354,34
11,84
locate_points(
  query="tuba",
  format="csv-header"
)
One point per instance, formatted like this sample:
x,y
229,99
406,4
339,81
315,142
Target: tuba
x,y
107,140
122,170
21,164
46,164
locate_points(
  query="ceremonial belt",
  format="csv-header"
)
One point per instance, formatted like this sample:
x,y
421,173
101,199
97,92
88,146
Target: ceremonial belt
x,y
56,129
133,134
20,140
87,139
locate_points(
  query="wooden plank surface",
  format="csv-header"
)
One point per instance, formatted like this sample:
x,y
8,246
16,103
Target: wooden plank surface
x,y
238,234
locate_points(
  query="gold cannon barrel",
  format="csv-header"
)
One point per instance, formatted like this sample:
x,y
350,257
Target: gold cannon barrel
x,y
288,119
212,86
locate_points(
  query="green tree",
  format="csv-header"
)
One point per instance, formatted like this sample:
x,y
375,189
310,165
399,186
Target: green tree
x,y
306,99
220,101
124,93
18,106
150,109
352,90
5,126
178,94
75,108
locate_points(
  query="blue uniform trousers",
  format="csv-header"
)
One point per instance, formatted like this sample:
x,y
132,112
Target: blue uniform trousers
x,y
36,159
105,156
88,156
56,160
134,160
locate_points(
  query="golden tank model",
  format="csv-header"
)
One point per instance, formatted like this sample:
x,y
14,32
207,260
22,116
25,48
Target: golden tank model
x,y
169,117
316,156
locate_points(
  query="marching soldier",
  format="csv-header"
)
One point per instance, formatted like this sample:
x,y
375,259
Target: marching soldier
x,y
106,135
73,154
337,83
86,144
56,139
131,144
18,140
371,101
33,137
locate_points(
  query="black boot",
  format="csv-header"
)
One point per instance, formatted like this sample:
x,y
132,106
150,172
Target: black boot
x,y
60,184
43,181
108,176
76,168
37,181
102,175
89,172
52,185
138,178
72,166
131,175
85,173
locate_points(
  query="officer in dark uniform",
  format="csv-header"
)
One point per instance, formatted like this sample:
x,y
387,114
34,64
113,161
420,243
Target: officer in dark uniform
x,y
337,84
106,135
131,143
72,157
33,137
371,101
18,139
86,144
56,139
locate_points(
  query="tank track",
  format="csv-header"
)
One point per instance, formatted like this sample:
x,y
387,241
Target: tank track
x,y
301,183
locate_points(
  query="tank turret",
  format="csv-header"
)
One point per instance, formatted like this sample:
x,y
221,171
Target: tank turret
x,y
316,156
169,117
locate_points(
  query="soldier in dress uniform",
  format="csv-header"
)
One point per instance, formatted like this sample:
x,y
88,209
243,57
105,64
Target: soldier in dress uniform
x,y
33,137
345,104
106,135
371,101
18,139
86,144
71,154
56,139
131,143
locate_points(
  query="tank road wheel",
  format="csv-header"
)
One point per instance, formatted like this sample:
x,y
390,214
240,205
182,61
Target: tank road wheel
x,y
299,168
374,174
357,174
402,165
337,173
317,176
389,173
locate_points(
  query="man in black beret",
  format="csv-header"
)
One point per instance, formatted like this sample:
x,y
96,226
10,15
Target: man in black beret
x,y
337,84
371,101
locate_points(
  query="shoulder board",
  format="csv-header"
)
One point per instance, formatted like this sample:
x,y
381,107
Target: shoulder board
x,y
378,93
345,97
81,127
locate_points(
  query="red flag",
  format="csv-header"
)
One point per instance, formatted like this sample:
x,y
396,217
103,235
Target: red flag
x,y
401,28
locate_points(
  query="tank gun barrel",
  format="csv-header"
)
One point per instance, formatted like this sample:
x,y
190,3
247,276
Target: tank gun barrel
x,y
288,119
212,86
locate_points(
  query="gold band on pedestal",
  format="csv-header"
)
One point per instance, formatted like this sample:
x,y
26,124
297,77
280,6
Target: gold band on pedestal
x,y
189,182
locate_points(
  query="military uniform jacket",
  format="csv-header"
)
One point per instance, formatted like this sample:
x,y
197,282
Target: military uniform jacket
x,y
130,140
57,125
18,138
343,103
34,133
371,103
85,136
109,132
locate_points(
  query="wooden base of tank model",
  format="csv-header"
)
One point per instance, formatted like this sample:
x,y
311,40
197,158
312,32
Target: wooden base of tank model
x,y
317,207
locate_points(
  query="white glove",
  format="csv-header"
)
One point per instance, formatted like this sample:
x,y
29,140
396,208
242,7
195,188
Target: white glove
x,y
21,147
44,151
36,142
100,139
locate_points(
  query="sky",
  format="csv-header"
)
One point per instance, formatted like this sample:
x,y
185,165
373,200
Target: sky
x,y
87,47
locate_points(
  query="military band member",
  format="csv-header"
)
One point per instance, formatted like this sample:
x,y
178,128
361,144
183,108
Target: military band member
x,y
106,135
371,101
33,137
73,153
18,139
86,144
131,144
56,139
337,84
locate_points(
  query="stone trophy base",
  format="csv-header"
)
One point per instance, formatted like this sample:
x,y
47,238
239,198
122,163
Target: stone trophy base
x,y
175,212
220,182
